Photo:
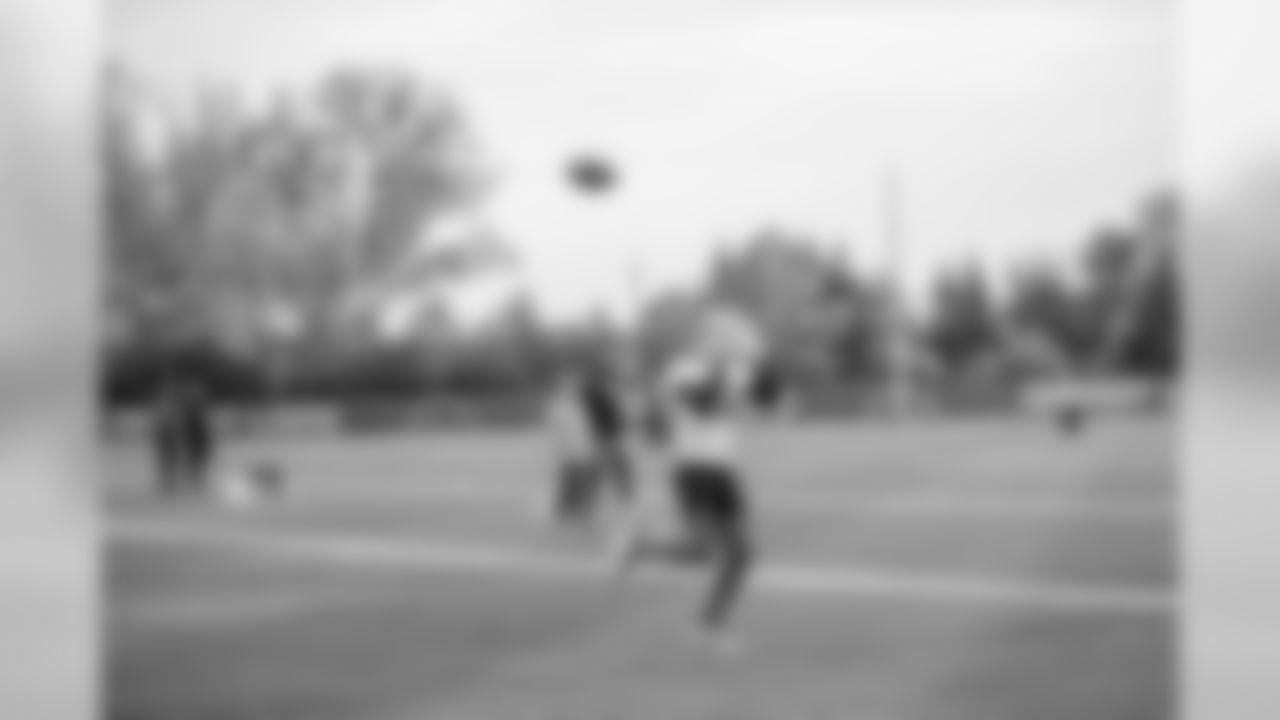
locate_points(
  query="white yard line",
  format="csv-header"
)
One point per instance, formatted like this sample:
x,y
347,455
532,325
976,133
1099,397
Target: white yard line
x,y
792,580
833,503
216,611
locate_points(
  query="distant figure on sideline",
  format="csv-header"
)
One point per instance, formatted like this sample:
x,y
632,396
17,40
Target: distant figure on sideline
x,y
183,437
589,425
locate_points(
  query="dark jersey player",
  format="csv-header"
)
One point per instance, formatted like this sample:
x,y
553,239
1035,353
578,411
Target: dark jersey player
x,y
589,421
183,438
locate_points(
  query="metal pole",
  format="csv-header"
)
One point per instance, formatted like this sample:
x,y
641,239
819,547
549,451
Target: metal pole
x,y
899,348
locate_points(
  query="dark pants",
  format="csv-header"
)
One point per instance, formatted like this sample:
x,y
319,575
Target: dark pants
x,y
183,456
710,496
583,481
715,515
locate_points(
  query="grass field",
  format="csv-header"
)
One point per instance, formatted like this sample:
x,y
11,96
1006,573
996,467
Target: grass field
x,y
943,571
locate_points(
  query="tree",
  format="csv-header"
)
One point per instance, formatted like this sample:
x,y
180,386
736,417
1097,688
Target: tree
x,y
173,223
1109,260
806,299
965,325
1132,291
1126,314
862,335
514,346
1144,334
1032,353
1155,346
351,182
411,154
1043,306
583,343
145,271
325,195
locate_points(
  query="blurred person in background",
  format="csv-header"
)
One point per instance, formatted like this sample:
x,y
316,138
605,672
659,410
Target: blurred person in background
x,y
589,426
183,436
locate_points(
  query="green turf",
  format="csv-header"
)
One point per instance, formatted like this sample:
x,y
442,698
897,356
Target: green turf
x,y
202,633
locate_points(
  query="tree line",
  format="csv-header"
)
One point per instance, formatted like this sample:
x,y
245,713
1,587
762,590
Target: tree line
x,y
252,245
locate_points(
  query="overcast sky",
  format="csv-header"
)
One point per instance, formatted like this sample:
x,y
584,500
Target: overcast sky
x,y
1017,127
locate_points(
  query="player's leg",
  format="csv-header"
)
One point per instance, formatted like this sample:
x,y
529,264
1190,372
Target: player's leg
x,y
185,462
692,541
610,485
580,480
567,500
725,518
166,451
168,463
198,459
184,457
617,474
210,446
715,534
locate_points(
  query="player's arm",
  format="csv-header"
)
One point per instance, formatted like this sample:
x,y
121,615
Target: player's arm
x,y
759,389
767,388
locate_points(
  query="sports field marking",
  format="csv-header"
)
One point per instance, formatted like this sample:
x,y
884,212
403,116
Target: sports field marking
x,y
832,503
791,580
214,610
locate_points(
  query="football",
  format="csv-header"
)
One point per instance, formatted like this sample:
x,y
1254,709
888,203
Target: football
x,y
592,174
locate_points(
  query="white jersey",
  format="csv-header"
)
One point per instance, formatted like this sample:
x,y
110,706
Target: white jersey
x,y
699,434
